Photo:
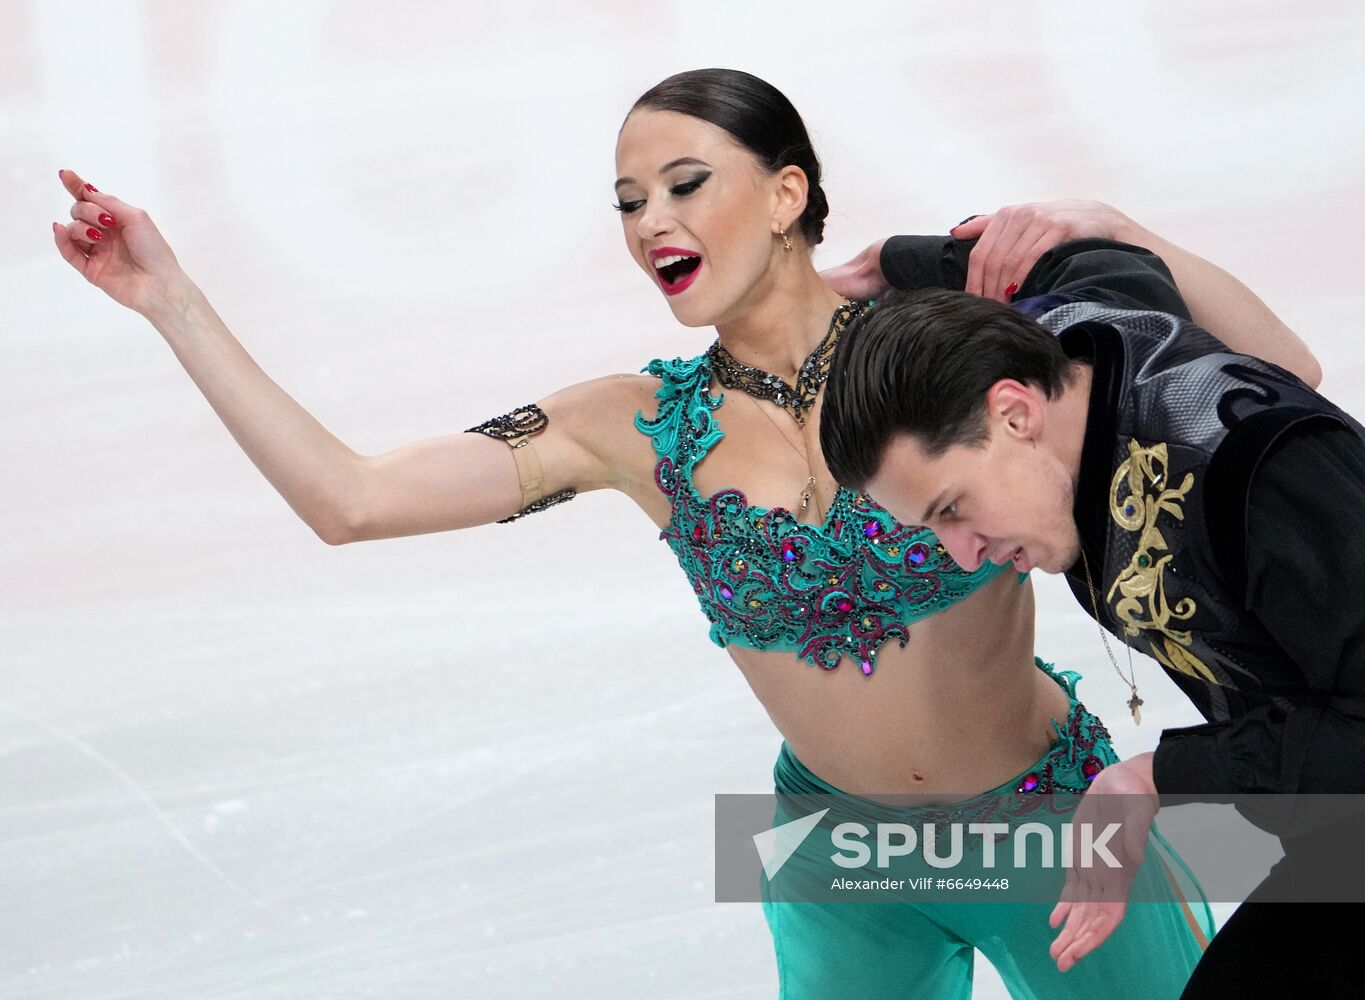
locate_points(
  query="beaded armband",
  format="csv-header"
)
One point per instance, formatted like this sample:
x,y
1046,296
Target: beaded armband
x,y
517,428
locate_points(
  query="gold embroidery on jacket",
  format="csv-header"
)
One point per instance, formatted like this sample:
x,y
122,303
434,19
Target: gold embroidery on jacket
x,y
1142,605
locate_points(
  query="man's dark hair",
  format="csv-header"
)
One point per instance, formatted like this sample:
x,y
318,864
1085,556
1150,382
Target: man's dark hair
x,y
921,363
760,118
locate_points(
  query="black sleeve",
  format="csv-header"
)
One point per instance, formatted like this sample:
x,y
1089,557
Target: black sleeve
x,y
1305,561
1116,274
913,262
1090,270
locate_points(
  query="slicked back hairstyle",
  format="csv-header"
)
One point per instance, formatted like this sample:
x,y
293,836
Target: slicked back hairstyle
x,y
921,363
758,116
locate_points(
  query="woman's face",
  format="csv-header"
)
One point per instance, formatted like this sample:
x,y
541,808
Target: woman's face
x,y
698,212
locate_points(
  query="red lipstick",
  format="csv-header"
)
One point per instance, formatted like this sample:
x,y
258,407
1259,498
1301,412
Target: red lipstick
x,y
678,276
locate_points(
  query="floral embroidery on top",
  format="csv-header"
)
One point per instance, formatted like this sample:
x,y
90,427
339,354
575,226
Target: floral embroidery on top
x,y
770,581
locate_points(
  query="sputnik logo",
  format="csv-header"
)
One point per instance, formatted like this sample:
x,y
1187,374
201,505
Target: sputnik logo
x,y
775,846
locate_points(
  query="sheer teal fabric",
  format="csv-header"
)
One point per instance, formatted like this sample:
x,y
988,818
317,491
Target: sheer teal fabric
x,y
925,948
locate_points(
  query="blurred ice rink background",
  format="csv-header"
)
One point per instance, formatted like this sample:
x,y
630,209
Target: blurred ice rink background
x,y
236,762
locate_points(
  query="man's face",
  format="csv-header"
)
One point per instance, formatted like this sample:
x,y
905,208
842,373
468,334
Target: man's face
x,y
1006,500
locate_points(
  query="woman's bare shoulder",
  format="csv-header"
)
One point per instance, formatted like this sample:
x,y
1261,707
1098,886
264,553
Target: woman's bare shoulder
x,y
599,414
604,401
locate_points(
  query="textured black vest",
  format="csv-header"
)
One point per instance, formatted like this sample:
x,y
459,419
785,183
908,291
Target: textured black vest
x,y
1176,428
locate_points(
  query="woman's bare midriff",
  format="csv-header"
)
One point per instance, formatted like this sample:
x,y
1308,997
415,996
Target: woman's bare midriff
x,y
960,710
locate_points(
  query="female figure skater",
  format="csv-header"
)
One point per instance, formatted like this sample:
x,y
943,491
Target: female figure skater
x,y
813,589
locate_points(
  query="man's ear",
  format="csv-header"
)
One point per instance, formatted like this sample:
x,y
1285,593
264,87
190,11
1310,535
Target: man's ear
x,y
1015,408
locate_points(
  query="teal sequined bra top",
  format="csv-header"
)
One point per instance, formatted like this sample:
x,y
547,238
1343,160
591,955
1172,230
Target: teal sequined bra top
x,y
767,580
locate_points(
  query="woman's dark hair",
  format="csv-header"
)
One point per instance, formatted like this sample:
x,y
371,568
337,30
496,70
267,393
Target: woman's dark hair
x,y
758,115
921,363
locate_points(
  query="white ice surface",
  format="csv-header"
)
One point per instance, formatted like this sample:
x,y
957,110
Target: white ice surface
x,y
236,762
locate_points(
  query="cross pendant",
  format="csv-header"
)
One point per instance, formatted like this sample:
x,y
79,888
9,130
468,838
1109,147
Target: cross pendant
x,y
1135,706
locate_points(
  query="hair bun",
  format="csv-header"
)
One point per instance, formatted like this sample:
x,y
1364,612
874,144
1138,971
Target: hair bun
x,y
813,218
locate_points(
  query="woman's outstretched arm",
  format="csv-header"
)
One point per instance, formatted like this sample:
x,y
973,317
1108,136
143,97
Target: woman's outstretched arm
x,y
453,481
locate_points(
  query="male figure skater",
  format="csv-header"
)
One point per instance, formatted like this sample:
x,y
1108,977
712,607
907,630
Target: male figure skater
x,y
1206,507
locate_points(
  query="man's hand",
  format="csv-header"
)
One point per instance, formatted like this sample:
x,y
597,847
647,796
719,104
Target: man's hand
x,y
861,278
1095,899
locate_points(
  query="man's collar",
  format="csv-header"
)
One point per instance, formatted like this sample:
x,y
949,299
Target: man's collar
x,y
1103,347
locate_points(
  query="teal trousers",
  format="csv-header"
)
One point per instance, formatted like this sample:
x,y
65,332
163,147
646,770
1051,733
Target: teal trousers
x,y
925,948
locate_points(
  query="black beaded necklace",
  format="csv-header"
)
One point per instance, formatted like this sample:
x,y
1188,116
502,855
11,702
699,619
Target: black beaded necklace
x,y
796,399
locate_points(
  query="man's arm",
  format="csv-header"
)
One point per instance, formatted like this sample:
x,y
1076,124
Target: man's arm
x,y
1092,270
1305,563
913,262
1215,299
1012,239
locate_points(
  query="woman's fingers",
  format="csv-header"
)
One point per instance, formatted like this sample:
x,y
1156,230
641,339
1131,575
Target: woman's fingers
x,y
981,263
1003,243
70,253
1046,240
976,260
84,235
1010,241
972,228
79,188
93,224
84,192
88,211
1004,255
75,185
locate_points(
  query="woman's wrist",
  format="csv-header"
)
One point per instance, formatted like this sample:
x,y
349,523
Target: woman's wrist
x,y
173,301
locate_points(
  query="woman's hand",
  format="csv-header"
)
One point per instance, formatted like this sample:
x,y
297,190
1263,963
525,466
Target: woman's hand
x,y
118,249
1012,240
1010,243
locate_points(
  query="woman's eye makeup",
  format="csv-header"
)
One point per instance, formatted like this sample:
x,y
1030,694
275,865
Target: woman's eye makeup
x,y
687,187
677,190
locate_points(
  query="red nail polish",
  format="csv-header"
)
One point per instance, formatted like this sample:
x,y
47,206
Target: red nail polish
x,y
1014,287
91,187
106,219
94,234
